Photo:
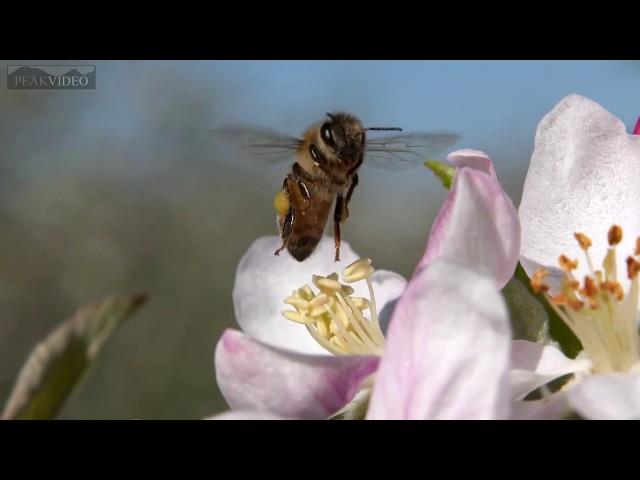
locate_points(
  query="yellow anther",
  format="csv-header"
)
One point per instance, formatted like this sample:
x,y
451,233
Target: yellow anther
x,y
347,290
296,317
326,284
319,304
361,303
298,302
567,264
583,240
358,270
537,281
306,292
281,202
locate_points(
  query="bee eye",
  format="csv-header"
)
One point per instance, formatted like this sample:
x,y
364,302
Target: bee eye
x,y
327,134
362,139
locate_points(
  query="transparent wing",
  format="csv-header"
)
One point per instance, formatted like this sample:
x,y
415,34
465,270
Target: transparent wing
x,y
260,144
401,152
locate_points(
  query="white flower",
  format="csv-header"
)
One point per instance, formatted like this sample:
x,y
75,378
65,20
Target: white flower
x,y
447,350
580,209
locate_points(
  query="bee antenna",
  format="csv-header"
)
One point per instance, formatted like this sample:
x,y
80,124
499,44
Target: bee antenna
x,y
395,129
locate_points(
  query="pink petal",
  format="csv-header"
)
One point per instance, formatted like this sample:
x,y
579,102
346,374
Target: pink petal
x,y
636,130
474,159
447,351
478,224
255,377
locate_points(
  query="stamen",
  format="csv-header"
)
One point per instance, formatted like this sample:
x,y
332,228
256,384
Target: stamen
x,y
590,288
326,284
358,270
296,316
537,281
298,302
615,235
614,288
567,264
610,265
334,318
583,240
633,267
607,328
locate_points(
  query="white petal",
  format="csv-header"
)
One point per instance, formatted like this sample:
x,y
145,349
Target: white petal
x,y
583,177
447,351
264,280
534,365
614,396
255,377
553,407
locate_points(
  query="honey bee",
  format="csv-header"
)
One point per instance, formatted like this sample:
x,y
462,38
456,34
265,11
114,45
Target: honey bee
x,y
325,171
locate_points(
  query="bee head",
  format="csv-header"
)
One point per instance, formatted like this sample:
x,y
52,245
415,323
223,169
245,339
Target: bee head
x,y
344,135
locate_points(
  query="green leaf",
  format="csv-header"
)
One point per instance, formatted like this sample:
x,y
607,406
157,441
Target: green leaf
x,y
443,171
57,364
558,330
529,319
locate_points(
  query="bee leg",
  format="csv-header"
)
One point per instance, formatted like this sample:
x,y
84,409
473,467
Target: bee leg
x,y
302,187
287,227
287,222
306,196
337,219
352,187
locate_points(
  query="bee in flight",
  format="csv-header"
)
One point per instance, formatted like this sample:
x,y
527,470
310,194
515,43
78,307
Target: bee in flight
x,y
325,170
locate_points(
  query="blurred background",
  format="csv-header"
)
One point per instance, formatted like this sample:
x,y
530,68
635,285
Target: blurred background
x,y
122,189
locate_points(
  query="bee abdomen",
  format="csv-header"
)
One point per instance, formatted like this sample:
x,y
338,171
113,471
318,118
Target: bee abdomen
x,y
301,248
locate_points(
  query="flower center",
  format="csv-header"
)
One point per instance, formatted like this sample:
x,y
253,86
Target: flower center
x,y
334,317
600,313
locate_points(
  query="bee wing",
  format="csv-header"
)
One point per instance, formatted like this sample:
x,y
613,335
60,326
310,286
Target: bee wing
x,y
401,152
260,144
